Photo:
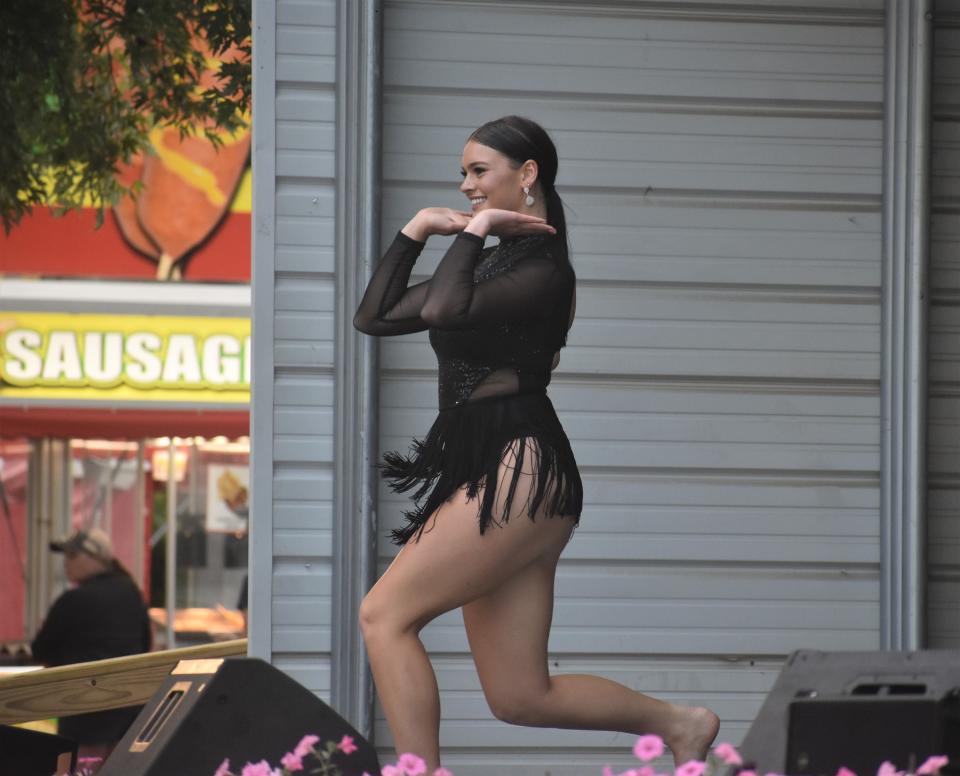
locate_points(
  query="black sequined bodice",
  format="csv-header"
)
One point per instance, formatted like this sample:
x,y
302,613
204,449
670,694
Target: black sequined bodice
x,y
526,345
502,310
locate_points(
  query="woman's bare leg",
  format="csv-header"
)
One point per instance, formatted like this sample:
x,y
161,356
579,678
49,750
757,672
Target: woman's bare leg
x,y
449,566
504,581
508,630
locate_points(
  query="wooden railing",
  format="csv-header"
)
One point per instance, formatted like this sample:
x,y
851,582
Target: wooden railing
x,y
97,686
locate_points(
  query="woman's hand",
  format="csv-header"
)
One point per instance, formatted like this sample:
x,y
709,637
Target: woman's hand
x,y
436,220
507,223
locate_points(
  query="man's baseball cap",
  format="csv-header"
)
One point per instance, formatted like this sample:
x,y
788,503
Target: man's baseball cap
x,y
92,541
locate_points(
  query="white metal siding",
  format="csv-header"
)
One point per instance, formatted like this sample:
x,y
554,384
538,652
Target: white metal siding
x,y
303,340
943,463
722,169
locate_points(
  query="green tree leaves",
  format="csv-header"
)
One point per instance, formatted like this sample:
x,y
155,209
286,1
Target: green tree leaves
x,y
82,82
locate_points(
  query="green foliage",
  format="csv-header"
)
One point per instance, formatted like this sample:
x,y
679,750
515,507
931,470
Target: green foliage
x,y
82,82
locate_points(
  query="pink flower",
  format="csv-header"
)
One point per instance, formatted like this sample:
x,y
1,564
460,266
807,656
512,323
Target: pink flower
x,y
648,747
887,769
845,772
261,768
224,769
292,762
305,746
346,745
391,770
411,764
728,753
691,768
754,773
932,765
442,772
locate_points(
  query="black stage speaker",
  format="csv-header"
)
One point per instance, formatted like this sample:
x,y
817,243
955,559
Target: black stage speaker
x,y
29,753
857,709
238,708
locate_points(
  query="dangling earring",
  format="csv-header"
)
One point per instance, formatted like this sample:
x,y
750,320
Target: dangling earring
x,y
529,200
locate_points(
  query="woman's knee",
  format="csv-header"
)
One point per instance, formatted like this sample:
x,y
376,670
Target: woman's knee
x,y
518,708
381,621
371,618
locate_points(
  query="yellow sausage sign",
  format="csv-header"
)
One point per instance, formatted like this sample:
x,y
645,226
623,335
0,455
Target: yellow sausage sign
x,y
124,357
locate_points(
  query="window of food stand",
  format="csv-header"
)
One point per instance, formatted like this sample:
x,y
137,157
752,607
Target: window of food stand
x,y
192,577
210,488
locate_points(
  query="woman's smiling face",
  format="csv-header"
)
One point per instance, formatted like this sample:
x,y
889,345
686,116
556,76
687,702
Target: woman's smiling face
x,y
490,179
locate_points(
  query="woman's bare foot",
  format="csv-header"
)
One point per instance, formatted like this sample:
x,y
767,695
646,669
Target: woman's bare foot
x,y
694,731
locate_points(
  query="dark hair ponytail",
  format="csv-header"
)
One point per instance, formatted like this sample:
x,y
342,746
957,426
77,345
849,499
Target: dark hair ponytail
x,y
520,139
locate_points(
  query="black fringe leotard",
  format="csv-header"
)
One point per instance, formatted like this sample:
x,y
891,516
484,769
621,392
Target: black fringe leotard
x,y
497,318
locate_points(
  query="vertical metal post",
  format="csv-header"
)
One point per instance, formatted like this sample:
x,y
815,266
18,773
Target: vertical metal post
x,y
193,498
139,514
262,285
36,569
41,553
359,64
44,532
61,487
906,223
171,575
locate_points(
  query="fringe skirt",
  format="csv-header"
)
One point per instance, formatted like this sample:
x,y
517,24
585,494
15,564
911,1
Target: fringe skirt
x,y
466,447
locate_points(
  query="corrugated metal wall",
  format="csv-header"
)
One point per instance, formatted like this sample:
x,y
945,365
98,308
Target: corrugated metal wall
x,y
943,463
294,232
722,166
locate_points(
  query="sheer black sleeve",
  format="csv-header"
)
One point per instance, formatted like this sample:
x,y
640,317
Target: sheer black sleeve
x,y
388,306
533,287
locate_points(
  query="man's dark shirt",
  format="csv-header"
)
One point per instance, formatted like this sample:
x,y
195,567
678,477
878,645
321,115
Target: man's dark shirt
x,y
104,616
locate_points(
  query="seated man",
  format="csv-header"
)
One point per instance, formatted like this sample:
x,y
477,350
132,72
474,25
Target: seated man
x,y
102,616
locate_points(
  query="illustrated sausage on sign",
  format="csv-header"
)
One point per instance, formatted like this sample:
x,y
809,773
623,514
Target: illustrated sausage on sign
x,y
188,184
125,211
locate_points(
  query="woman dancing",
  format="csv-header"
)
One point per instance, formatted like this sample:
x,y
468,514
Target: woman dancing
x,y
496,488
